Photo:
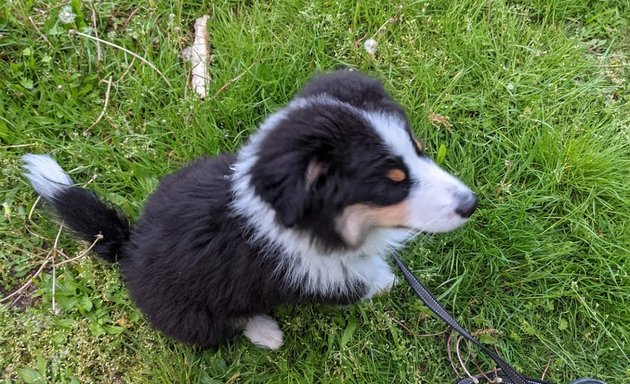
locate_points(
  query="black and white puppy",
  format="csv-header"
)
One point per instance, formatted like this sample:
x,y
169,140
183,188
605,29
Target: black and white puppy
x,y
307,211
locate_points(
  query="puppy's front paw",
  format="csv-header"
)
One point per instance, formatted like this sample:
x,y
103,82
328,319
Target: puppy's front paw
x,y
264,331
381,283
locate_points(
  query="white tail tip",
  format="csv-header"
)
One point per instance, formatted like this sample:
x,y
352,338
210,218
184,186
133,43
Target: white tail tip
x,y
45,175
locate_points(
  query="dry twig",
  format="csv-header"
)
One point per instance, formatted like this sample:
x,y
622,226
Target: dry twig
x,y
30,281
98,238
461,361
50,258
542,378
450,353
109,86
234,80
54,270
38,31
99,56
30,220
198,55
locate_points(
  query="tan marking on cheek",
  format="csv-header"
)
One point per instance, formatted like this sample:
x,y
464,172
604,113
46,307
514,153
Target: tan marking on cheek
x,y
396,175
392,215
353,224
358,220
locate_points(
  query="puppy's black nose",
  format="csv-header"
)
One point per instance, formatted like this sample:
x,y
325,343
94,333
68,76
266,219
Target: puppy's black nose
x,y
467,204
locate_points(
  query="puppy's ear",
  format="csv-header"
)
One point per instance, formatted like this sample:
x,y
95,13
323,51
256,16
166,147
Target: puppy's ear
x,y
300,149
286,182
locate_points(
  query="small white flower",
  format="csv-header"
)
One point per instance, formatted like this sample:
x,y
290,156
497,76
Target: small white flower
x,y
66,16
87,30
370,46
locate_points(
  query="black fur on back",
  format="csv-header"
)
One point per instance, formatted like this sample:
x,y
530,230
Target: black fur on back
x,y
193,271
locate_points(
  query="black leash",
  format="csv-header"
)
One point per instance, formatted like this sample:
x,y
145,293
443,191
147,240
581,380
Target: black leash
x,y
507,373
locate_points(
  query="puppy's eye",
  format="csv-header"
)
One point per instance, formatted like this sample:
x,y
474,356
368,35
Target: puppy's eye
x,y
396,175
419,147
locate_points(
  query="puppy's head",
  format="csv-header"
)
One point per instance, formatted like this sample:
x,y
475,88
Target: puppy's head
x,y
341,162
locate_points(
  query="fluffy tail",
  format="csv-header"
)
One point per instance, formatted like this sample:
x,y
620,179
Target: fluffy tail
x,y
81,210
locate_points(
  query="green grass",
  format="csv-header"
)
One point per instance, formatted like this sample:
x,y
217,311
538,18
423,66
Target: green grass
x,y
537,93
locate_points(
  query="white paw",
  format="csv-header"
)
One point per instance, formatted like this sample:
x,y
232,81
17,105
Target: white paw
x,y
380,283
264,331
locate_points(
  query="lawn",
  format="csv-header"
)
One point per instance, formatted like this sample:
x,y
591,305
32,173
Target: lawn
x,y
527,101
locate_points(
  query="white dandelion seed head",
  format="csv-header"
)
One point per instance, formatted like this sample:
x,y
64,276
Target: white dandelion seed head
x,y
370,46
66,16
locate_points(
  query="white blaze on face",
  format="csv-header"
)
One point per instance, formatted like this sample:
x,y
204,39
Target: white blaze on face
x,y
435,194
